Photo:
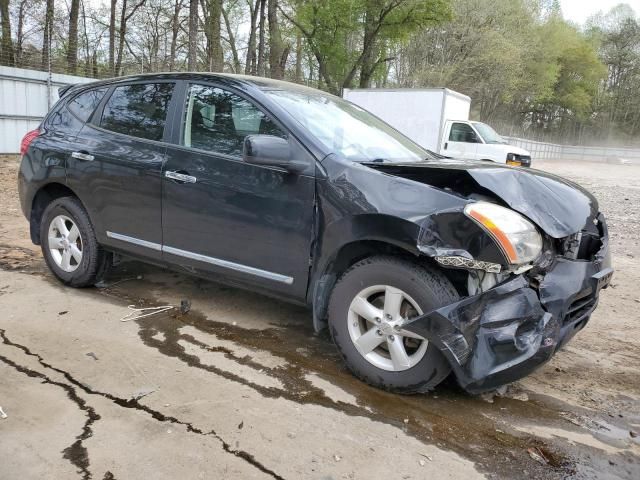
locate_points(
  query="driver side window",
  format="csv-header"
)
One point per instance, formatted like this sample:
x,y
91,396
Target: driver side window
x,y
218,121
461,132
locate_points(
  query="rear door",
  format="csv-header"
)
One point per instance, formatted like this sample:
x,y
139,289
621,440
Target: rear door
x,y
118,166
461,142
252,224
57,142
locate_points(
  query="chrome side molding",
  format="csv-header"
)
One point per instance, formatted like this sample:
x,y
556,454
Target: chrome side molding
x,y
135,241
238,267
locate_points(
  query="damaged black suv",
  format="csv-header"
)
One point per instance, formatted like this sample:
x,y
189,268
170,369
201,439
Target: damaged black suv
x,y
418,265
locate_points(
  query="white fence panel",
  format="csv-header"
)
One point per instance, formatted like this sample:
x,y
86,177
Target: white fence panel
x,y
25,98
553,151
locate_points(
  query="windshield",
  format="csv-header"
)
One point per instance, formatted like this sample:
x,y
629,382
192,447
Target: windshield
x,y
487,133
346,129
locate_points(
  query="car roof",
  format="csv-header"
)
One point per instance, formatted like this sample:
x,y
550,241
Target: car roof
x,y
261,83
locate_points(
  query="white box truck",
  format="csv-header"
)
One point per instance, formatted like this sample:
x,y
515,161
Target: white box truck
x,y
438,119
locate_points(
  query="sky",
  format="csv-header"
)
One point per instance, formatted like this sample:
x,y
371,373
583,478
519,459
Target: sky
x,y
579,10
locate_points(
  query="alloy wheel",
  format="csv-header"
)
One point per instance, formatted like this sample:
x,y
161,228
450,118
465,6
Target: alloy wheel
x,y
375,318
65,243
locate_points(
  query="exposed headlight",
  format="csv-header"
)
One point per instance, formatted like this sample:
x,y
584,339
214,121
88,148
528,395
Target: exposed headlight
x,y
516,236
514,160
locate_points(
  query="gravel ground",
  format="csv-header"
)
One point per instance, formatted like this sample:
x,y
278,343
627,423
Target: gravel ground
x,y
241,387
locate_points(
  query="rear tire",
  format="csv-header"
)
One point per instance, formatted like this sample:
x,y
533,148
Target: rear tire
x,y
69,244
360,318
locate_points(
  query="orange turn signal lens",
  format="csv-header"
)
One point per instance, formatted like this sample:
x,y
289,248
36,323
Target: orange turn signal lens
x,y
497,234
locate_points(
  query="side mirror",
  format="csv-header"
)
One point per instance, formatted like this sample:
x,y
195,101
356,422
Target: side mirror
x,y
269,150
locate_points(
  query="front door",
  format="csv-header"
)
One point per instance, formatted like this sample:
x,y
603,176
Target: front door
x,y
462,142
252,224
119,168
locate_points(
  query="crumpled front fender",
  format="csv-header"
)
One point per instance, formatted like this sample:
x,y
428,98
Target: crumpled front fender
x,y
506,332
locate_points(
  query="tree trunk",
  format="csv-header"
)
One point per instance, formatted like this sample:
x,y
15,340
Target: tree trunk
x,y
232,42
87,56
216,62
112,38
368,63
8,55
193,35
94,64
250,61
46,39
122,31
277,50
72,48
20,34
298,77
260,65
175,29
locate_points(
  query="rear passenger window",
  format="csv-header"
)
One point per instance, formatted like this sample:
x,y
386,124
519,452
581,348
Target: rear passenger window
x,y
139,110
84,104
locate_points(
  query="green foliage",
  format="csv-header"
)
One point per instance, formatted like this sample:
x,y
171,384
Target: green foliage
x,y
350,37
519,60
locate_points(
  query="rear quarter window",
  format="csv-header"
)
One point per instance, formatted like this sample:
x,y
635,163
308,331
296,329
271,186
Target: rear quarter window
x,y
83,105
138,110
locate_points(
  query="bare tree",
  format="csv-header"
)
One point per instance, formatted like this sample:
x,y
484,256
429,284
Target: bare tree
x,y
20,32
175,29
72,45
122,31
298,76
193,35
213,15
278,51
7,57
250,61
46,38
112,37
260,63
232,42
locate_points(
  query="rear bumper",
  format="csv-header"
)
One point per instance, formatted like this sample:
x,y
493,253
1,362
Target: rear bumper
x,y
510,330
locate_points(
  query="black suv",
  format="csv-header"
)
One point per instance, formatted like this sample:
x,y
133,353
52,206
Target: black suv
x,y
419,265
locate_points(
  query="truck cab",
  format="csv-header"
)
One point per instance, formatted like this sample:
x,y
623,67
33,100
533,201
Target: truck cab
x,y
478,141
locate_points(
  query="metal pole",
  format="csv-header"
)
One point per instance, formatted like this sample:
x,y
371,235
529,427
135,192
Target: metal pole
x,y
49,67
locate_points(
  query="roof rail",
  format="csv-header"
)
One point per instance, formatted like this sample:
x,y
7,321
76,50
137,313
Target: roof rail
x,y
64,89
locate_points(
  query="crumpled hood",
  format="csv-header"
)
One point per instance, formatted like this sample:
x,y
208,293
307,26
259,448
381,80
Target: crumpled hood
x,y
558,206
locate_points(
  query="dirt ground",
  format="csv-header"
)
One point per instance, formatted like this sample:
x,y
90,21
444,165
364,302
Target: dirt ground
x,y
241,387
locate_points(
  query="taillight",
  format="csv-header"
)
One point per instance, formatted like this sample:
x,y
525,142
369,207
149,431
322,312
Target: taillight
x,y
27,139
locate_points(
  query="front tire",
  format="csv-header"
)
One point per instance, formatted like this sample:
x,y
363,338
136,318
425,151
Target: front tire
x,y
366,306
69,244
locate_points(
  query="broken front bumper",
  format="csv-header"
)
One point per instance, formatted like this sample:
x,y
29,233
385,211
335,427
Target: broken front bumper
x,y
507,332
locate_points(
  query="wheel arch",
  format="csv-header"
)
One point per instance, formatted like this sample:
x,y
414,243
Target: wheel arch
x,y
43,197
340,261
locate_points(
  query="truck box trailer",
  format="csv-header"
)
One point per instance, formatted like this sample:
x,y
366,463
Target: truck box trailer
x,y
438,119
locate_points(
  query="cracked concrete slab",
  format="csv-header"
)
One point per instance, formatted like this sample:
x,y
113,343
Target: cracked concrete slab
x,y
213,402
